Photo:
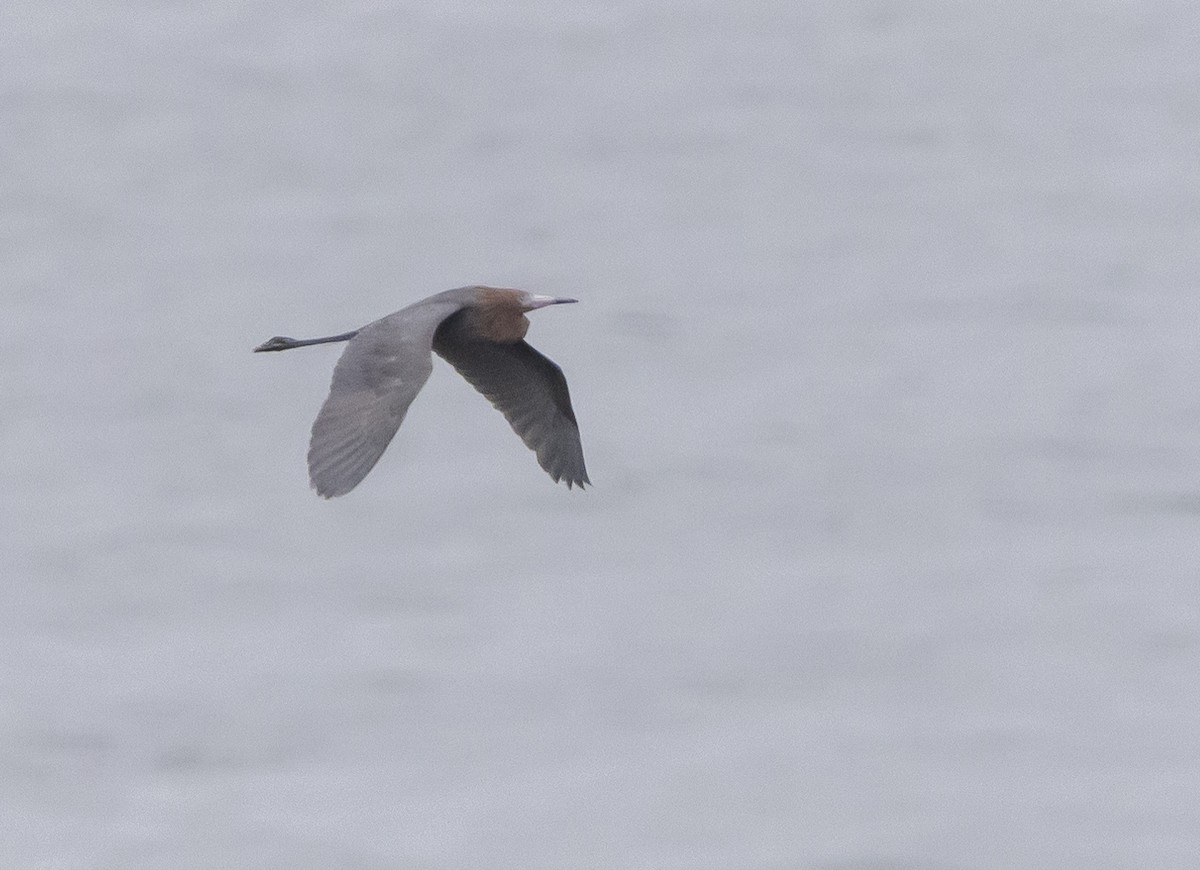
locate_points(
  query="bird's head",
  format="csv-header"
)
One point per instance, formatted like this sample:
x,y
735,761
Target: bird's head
x,y
499,313
515,301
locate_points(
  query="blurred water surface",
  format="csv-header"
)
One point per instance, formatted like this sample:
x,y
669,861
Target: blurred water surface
x,y
886,374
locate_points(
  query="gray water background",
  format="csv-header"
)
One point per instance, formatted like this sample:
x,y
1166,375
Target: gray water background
x,y
886,371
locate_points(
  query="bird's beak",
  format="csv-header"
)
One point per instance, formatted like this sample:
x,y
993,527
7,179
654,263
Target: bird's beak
x,y
533,301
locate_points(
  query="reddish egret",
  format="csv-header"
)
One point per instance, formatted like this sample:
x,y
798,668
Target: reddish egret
x,y
478,330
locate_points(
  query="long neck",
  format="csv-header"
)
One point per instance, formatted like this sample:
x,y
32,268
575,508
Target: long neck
x,y
502,323
281,342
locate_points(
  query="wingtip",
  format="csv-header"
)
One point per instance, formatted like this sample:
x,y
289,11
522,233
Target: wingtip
x,y
324,491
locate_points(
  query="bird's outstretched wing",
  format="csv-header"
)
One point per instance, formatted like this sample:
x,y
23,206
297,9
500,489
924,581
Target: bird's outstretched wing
x,y
376,379
527,388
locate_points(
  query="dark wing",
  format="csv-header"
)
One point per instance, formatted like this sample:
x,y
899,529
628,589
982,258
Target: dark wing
x,y
527,388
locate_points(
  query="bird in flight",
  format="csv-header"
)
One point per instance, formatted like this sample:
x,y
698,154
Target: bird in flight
x,y
478,330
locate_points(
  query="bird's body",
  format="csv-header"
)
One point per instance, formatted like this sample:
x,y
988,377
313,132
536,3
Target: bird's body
x,y
478,330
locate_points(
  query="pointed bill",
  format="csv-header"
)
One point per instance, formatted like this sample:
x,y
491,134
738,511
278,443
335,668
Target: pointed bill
x,y
533,300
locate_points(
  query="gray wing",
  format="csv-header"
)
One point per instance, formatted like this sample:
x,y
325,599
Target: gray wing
x,y
376,379
528,389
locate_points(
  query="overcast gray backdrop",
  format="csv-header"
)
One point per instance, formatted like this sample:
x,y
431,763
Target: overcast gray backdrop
x,y
885,365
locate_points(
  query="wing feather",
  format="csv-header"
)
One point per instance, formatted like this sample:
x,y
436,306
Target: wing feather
x,y
528,388
375,381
